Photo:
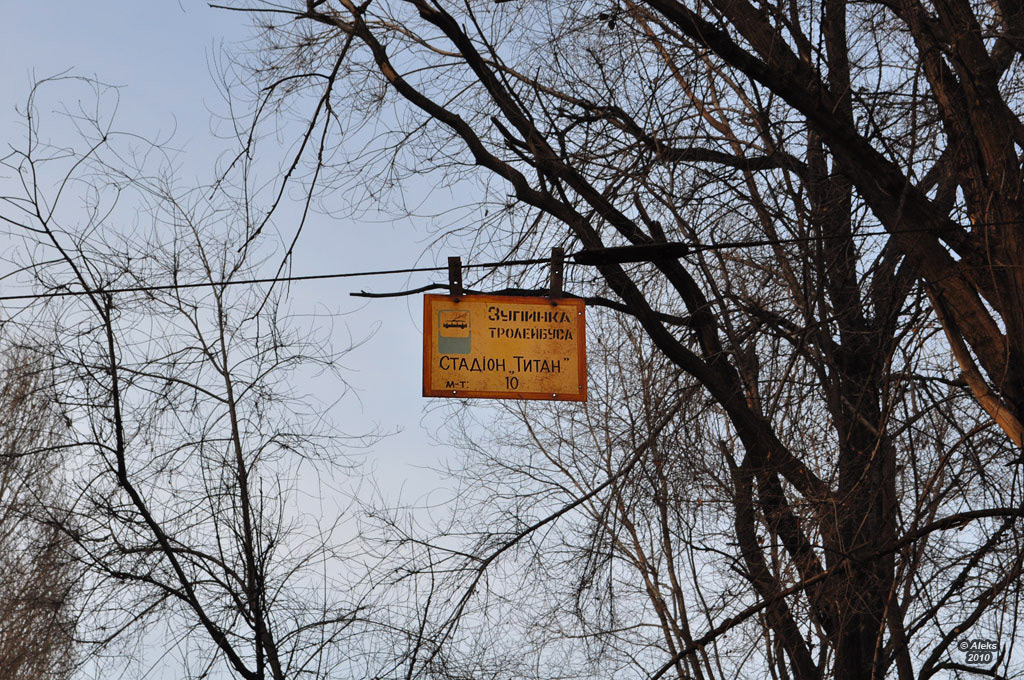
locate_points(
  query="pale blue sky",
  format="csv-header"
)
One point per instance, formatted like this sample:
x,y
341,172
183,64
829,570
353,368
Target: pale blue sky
x,y
160,52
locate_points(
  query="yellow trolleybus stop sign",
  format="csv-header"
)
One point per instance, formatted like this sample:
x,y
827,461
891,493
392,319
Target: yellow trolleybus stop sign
x,y
500,347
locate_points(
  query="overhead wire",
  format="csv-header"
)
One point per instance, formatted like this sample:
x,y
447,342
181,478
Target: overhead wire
x,y
683,248
256,281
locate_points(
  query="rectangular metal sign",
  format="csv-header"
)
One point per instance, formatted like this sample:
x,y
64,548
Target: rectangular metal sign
x,y
501,347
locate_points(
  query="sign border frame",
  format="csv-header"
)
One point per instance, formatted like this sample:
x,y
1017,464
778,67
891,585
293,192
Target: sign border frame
x,y
581,342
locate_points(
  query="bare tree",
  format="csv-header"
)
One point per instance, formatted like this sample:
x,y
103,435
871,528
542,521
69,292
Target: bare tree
x,y
791,200
39,578
195,501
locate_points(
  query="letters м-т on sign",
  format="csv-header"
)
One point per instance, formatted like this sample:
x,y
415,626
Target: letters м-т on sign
x,y
502,347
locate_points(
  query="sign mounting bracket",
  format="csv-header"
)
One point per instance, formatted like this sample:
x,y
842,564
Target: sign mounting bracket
x,y
455,277
557,273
